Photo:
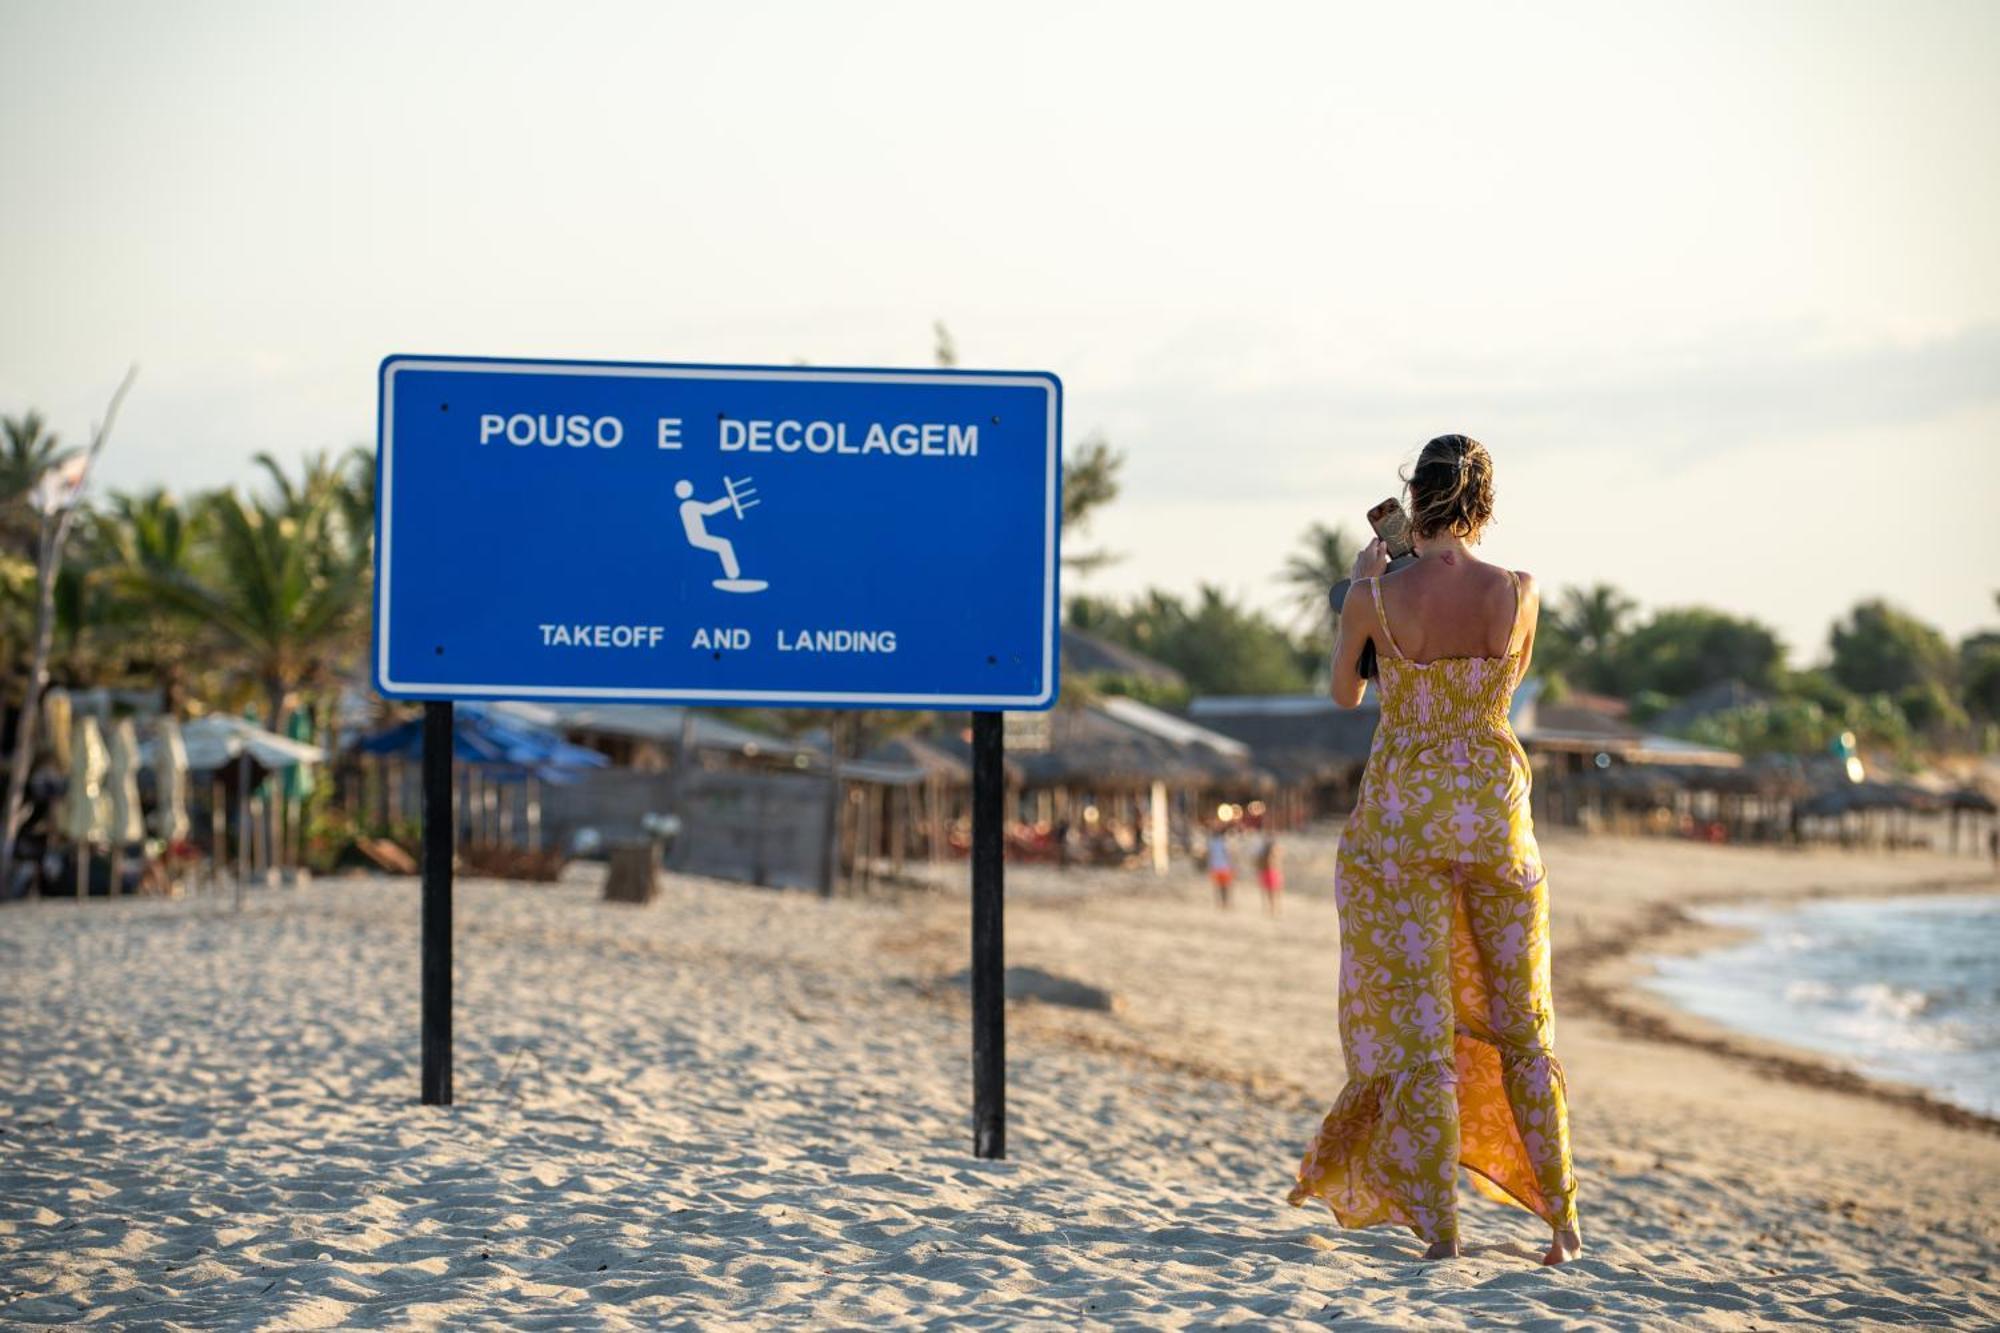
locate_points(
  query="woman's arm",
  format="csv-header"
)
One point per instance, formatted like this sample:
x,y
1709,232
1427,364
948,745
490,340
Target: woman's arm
x,y
1357,626
1531,616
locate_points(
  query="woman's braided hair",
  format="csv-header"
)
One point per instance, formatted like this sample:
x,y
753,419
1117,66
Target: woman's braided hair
x,y
1451,488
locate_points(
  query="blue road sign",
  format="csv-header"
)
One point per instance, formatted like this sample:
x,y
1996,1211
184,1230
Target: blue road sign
x,y
717,534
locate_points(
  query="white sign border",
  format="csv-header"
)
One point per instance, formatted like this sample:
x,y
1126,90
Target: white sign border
x,y
385,463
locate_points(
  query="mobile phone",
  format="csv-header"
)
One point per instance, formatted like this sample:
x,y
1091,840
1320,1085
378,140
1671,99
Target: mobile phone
x,y
1392,525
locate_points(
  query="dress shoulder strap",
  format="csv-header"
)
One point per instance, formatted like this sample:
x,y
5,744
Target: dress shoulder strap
x,y
1520,612
1382,615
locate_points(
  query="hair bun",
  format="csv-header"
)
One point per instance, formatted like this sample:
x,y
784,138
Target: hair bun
x,y
1451,488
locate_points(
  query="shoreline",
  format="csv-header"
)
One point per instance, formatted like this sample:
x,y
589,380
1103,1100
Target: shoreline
x,y
1605,983
1601,959
1615,999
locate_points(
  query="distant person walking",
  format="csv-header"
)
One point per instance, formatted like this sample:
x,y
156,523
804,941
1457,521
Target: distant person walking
x,y
1270,873
1446,1019
1221,868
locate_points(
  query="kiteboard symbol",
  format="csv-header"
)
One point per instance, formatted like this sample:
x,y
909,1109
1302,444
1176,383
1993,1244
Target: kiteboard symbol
x,y
739,496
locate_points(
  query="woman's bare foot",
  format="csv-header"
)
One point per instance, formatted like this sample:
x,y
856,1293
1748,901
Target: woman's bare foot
x,y
1566,1245
1444,1249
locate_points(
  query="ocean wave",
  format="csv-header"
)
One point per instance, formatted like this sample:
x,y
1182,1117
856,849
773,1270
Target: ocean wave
x,y
1905,988
1879,997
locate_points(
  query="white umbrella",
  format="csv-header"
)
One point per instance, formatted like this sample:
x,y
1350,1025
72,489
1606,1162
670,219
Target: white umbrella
x,y
85,818
170,770
216,741
128,824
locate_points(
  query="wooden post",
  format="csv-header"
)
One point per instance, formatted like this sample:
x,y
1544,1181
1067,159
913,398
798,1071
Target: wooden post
x,y
438,850
899,804
218,831
534,814
989,955
934,828
242,825
678,786
830,856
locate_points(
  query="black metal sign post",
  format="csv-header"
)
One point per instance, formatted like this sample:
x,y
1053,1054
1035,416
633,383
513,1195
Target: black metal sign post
x,y
439,835
989,955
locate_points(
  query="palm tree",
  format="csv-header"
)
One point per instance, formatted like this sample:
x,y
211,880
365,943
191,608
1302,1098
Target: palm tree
x,y
1588,629
354,496
1595,617
277,587
1325,558
1090,481
142,539
31,449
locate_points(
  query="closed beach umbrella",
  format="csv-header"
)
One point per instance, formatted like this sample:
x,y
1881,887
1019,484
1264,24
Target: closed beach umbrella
x,y
299,777
56,726
85,818
170,780
128,824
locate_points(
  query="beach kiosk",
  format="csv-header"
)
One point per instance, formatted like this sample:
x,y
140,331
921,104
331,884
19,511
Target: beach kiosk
x,y
612,532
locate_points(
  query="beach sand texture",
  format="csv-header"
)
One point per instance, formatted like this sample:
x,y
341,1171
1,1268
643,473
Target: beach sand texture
x,y
741,1107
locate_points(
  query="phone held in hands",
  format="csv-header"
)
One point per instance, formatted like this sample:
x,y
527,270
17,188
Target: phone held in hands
x,y
1392,525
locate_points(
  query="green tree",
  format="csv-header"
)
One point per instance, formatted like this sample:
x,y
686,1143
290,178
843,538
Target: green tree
x,y
273,586
1220,646
1979,670
1596,616
1877,722
1881,649
1817,685
1931,710
1090,482
1324,557
140,539
31,449
1582,638
1680,651
1779,726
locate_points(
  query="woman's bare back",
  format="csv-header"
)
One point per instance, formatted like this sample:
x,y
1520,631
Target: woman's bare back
x,y
1450,605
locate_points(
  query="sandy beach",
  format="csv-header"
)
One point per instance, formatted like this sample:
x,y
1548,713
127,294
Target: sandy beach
x,y
742,1107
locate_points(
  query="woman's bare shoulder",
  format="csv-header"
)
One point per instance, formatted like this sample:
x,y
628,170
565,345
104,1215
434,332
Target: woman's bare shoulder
x,y
1359,607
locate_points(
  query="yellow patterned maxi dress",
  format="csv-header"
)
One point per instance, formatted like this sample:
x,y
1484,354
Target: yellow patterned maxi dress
x,y
1445,1016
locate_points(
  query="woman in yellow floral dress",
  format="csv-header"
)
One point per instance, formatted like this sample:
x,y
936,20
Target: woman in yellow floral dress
x,y
1446,1020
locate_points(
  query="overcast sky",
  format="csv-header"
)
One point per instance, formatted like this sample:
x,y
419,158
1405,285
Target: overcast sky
x,y
1717,284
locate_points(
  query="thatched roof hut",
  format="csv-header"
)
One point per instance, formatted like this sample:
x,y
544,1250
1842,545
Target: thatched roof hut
x,y
1300,738
624,730
1086,654
1721,697
1971,799
929,759
1863,796
1123,745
